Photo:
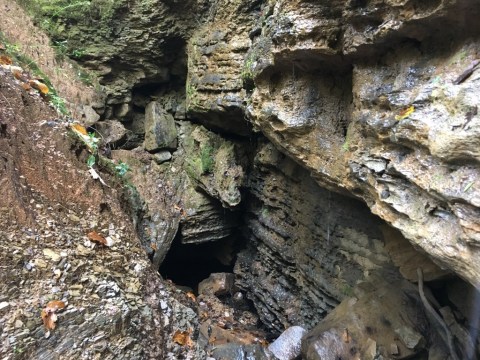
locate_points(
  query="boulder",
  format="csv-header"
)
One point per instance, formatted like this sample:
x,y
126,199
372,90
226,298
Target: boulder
x,y
217,284
160,130
288,344
384,317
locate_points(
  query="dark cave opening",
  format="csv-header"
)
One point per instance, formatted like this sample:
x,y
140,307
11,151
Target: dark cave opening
x,y
189,264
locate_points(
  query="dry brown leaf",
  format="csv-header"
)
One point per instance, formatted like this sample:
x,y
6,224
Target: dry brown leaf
x,y
79,128
56,305
39,86
19,75
5,60
2,46
26,87
49,319
183,338
94,236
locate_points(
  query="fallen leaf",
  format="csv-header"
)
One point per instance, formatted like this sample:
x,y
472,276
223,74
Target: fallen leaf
x,y
19,75
96,237
183,338
26,87
79,128
49,319
191,296
2,47
48,314
405,113
39,86
56,305
5,60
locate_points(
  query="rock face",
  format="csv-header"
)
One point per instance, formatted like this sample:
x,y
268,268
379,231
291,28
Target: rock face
x,y
398,131
385,319
308,246
330,137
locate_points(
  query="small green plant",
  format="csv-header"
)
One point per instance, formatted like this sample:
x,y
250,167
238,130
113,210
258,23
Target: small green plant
x,y
77,53
206,159
58,103
14,51
191,92
91,161
122,169
248,73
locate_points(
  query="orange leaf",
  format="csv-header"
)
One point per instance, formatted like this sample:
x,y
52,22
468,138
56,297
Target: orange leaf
x,y
79,128
191,296
5,60
49,319
183,338
19,75
405,113
94,236
56,305
26,87
39,86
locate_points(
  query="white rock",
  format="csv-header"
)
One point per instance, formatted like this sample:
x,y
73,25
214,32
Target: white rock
x,y
288,344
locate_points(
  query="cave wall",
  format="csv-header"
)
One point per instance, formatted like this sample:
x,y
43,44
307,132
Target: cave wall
x,y
364,98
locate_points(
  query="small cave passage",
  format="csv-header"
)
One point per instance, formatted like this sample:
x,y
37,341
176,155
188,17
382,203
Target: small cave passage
x,y
189,264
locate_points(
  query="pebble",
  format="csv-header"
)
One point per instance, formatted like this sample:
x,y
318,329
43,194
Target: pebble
x,y
18,324
4,305
51,254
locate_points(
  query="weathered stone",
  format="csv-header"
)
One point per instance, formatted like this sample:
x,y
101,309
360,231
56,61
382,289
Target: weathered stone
x,y
298,234
216,68
160,130
385,308
410,338
288,345
347,121
212,163
162,157
217,284
88,116
240,352
111,132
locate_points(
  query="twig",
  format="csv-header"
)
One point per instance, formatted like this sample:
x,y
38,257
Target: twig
x,y
466,74
435,315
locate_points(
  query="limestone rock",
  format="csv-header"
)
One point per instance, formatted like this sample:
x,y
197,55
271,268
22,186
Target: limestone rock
x,y
111,132
383,313
216,67
162,157
212,163
217,284
205,219
402,136
240,352
298,234
160,130
288,345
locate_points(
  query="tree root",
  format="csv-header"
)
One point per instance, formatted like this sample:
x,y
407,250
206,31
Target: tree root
x,y
431,311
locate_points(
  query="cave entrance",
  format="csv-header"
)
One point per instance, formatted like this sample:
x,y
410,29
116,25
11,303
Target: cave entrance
x,y
188,264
